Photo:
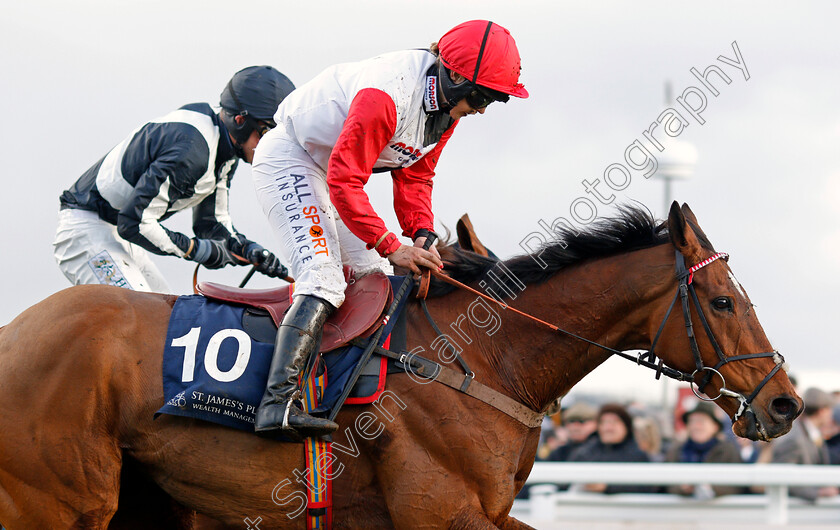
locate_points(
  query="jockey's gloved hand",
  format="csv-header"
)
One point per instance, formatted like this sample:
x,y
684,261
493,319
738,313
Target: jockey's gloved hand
x,y
262,260
269,264
211,253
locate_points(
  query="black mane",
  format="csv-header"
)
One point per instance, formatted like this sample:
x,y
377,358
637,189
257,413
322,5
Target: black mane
x,y
633,229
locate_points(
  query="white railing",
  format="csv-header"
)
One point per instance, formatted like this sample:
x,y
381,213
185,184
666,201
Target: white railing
x,y
546,504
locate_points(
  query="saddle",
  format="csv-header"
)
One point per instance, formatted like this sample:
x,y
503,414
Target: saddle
x,y
366,300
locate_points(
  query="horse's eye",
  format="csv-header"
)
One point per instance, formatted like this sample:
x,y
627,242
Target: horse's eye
x,y
722,303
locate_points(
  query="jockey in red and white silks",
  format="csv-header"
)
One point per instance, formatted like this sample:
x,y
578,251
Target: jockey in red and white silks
x,y
331,134
394,112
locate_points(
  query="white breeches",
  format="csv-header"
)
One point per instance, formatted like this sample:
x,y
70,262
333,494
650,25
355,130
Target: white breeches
x,y
293,192
89,251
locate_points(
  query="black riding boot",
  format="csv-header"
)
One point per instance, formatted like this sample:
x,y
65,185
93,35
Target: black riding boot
x,y
298,337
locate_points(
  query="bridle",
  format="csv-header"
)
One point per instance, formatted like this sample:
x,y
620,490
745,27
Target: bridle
x,y
685,288
686,294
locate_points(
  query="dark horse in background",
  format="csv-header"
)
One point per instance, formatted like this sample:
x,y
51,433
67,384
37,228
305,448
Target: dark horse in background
x,y
80,382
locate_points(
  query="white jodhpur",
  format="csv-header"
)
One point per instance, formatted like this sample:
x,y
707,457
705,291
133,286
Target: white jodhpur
x,y
293,193
89,251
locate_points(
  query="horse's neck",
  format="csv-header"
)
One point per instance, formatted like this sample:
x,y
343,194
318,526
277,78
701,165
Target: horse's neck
x,y
608,301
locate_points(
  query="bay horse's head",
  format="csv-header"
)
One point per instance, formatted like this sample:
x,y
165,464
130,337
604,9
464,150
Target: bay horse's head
x,y
720,342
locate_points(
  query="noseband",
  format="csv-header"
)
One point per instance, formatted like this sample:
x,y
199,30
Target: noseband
x,y
685,276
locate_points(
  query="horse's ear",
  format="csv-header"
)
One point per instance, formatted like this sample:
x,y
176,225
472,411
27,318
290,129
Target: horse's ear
x,y
467,238
692,220
689,214
682,235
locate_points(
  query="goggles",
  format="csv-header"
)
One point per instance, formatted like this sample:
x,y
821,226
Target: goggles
x,y
262,128
476,96
480,97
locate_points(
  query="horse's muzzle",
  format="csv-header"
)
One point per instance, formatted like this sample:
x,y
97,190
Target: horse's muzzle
x,y
772,423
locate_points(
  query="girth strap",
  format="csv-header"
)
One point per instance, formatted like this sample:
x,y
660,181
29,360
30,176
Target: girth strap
x,y
497,400
426,369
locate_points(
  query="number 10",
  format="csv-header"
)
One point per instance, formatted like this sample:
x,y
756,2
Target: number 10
x,y
211,356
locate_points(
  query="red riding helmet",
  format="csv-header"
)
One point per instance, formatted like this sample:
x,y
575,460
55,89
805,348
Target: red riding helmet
x,y
484,53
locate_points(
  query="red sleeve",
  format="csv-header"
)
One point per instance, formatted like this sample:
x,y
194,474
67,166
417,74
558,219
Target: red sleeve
x,y
413,190
370,124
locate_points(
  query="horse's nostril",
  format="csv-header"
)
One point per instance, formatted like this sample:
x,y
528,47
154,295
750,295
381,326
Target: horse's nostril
x,y
785,408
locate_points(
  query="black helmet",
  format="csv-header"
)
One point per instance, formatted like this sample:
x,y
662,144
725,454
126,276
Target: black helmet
x,y
254,93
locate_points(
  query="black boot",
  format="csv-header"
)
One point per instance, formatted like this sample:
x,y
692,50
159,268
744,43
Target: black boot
x,y
298,337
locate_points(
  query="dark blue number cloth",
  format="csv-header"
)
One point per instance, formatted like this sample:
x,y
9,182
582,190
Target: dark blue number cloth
x,y
232,389
214,371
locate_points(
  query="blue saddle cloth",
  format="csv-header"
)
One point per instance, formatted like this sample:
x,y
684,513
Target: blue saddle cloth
x,y
213,370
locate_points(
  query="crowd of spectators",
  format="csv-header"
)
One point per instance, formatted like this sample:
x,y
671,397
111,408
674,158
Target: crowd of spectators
x,y
585,431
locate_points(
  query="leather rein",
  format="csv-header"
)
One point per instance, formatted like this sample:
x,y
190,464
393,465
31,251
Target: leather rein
x,y
685,293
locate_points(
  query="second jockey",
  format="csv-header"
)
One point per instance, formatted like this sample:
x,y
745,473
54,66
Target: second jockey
x,y
110,219
392,113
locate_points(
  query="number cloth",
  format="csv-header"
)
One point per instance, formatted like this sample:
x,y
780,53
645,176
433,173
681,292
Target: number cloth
x,y
215,371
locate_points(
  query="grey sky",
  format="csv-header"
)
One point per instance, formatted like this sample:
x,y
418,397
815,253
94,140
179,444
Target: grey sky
x,y
78,76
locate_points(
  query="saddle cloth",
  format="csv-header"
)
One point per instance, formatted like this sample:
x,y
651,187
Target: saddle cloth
x,y
217,355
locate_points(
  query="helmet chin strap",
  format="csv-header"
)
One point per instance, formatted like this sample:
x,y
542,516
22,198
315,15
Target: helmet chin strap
x,y
445,107
239,133
240,153
450,92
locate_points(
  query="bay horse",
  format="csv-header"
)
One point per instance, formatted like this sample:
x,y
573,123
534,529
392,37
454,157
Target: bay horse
x,y
80,381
